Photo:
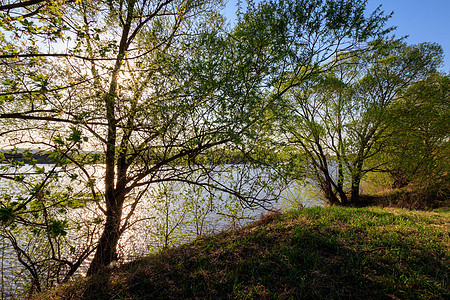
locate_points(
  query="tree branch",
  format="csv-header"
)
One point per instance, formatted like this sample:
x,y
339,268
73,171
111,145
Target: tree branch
x,y
22,4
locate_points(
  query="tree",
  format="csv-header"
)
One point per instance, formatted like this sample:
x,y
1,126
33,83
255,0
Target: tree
x,y
417,138
314,122
147,87
342,118
392,68
308,35
152,85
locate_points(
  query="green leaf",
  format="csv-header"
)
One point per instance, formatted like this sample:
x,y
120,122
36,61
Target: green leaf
x,y
58,140
7,215
19,178
39,170
97,220
75,136
57,228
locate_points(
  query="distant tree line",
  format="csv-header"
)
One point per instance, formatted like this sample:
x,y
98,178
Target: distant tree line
x,y
7,157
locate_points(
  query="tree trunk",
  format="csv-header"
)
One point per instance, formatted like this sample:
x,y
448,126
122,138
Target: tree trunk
x,y
342,196
356,180
328,190
355,192
107,248
340,185
340,174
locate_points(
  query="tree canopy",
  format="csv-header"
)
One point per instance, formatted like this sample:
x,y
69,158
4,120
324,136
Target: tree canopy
x,y
340,119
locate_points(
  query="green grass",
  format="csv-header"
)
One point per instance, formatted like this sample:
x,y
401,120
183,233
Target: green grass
x,y
330,253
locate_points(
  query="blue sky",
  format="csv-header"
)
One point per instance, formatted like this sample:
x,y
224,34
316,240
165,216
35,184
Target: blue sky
x,y
420,20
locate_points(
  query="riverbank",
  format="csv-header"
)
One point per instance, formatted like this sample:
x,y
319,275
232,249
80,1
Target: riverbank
x,y
330,252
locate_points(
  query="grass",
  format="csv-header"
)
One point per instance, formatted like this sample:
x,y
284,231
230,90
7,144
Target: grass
x,y
329,253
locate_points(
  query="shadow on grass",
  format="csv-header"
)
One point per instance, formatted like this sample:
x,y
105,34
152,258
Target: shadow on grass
x,y
330,253
417,199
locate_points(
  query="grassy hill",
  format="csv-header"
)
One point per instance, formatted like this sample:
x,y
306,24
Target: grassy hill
x,y
330,253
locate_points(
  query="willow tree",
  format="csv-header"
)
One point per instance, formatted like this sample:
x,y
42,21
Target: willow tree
x,y
387,72
340,119
143,88
308,38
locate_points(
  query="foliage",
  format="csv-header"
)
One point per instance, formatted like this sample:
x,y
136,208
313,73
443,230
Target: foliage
x,y
146,86
417,140
340,119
